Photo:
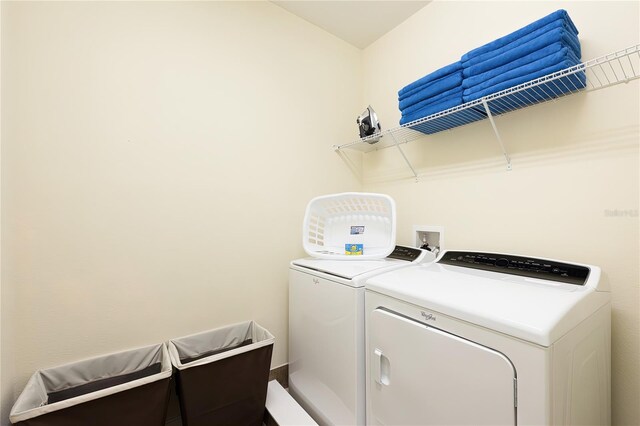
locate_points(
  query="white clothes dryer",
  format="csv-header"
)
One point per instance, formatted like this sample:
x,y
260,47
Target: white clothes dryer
x,y
488,339
326,332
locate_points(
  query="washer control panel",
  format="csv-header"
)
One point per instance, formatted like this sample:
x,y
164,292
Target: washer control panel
x,y
518,265
405,253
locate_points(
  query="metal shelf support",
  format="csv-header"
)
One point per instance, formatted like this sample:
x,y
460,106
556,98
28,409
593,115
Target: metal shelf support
x,y
495,130
406,160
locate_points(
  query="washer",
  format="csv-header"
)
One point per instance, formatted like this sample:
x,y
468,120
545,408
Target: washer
x,y
326,332
489,339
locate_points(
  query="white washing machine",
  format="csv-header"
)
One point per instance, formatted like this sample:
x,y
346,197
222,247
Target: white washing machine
x,y
489,339
326,333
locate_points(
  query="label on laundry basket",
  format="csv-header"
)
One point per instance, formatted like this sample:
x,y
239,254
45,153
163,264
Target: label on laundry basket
x,y
357,230
353,249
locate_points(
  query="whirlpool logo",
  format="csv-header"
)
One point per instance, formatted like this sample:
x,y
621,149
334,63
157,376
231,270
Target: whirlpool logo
x,y
428,317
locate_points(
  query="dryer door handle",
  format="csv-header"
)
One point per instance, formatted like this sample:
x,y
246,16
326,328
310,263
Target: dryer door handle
x,y
381,368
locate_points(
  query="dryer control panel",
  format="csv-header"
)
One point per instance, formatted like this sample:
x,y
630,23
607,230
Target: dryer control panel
x,y
518,265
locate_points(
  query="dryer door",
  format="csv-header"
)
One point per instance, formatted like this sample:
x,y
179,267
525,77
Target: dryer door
x,y
421,375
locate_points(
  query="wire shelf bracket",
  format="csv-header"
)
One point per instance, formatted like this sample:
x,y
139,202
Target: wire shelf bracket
x,y
495,130
404,157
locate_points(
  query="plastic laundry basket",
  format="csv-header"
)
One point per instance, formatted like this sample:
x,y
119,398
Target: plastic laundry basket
x,y
125,388
223,375
351,225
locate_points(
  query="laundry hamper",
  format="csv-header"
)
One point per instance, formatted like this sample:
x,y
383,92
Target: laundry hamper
x,y
223,374
350,226
125,388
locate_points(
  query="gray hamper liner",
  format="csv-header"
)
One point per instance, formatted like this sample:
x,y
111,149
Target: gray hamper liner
x,y
124,388
223,375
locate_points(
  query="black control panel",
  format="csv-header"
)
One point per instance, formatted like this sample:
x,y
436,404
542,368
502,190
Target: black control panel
x,y
405,253
517,265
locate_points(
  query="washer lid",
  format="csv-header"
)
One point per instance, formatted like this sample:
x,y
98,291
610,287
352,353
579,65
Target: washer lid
x,y
348,269
536,310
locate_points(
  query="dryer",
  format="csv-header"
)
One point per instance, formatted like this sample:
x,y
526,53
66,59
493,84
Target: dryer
x,y
488,339
326,332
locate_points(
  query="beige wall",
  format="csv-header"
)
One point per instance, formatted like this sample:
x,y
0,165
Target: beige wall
x,y
5,399
156,162
573,160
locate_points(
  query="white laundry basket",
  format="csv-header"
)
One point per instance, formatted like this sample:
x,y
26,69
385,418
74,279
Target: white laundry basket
x,y
350,226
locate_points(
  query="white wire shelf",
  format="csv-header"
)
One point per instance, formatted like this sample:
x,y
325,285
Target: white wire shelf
x,y
606,71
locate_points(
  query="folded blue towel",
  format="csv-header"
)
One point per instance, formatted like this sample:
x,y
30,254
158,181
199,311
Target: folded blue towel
x,y
474,79
433,83
432,89
518,34
418,102
521,48
578,82
442,72
432,100
564,54
449,102
546,32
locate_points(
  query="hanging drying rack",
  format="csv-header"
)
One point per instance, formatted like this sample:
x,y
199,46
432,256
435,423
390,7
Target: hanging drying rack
x,y
605,71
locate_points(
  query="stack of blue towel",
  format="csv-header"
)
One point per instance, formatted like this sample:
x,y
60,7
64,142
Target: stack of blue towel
x,y
440,90
543,47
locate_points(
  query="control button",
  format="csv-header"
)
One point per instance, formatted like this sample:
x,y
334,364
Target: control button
x,y
556,270
502,262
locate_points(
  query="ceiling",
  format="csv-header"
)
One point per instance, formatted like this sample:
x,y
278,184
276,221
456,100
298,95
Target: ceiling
x,y
357,22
